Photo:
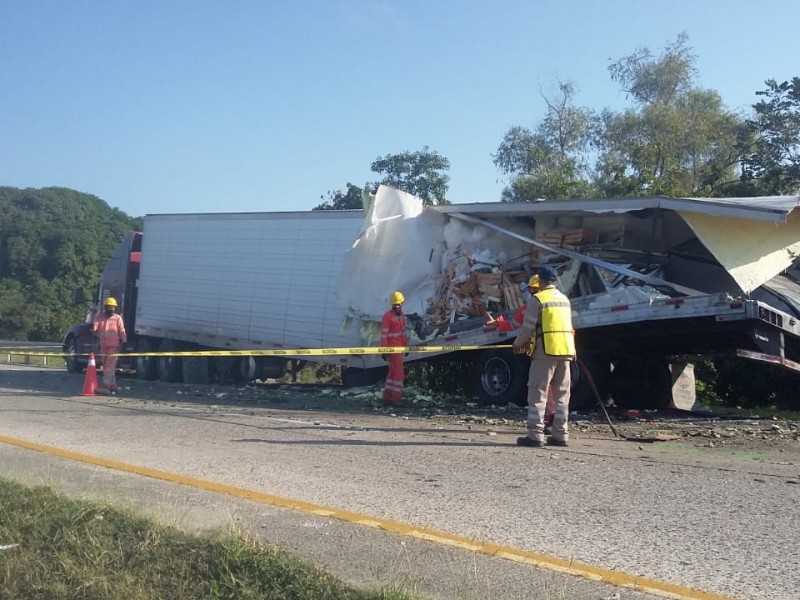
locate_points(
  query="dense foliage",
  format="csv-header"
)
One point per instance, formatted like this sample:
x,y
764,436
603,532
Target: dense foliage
x,y
52,240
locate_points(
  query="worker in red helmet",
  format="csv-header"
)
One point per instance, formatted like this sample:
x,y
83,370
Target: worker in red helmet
x,y
393,334
110,328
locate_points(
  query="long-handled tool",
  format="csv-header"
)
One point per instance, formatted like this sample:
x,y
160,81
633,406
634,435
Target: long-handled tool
x,y
641,439
589,379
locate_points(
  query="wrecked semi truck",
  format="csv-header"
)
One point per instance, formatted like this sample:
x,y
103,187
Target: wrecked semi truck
x,y
649,279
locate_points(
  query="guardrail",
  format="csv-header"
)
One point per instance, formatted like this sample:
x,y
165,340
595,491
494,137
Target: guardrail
x,y
34,346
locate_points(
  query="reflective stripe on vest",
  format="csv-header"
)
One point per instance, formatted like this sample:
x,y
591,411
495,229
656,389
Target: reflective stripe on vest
x,y
555,323
393,330
110,330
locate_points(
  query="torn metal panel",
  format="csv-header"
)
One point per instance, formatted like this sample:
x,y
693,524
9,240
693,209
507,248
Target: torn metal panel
x,y
753,252
398,248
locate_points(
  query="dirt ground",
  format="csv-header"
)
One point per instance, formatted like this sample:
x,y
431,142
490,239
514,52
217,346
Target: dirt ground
x,y
710,428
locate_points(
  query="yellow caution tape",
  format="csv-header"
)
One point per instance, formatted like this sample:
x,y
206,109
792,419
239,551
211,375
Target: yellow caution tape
x,y
356,351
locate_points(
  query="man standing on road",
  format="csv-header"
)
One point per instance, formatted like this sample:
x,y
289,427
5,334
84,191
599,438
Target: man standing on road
x,y
393,333
111,331
547,327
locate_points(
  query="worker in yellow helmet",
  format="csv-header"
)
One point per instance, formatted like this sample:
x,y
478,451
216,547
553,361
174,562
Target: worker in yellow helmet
x,y
111,330
548,328
393,334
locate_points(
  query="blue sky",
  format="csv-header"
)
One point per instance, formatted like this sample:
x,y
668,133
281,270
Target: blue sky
x,y
208,105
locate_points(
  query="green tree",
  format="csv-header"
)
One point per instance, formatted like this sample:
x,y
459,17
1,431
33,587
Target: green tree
x,y
339,200
676,140
422,173
771,161
52,240
553,161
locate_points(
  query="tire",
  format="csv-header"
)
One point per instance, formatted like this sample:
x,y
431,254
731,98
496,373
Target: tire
x,y
582,396
169,367
501,377
641,383
356,377
71,360
146,366
247,369
195,370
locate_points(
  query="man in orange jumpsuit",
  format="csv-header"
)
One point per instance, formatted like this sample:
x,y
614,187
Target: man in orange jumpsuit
x,y
393,333
111,331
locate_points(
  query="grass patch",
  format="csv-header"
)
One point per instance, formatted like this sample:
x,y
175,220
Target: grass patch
x,y
33,361
56,547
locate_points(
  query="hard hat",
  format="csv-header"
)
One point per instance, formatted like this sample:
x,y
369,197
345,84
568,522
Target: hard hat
x,y
547,274
110,302
397,298
534,281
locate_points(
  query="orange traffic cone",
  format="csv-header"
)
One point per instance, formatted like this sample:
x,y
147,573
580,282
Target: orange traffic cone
x,y
90,381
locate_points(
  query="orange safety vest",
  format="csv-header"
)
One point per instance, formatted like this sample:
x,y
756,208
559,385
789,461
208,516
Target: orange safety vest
x,y
111,330
393,329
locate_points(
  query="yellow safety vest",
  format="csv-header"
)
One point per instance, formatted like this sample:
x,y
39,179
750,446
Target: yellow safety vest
x,y
555,323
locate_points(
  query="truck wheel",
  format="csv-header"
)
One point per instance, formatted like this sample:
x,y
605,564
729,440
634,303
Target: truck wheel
x,y
247,369
71,360
195,370
582,396
146,366
501,377
641,383
357,377
169,367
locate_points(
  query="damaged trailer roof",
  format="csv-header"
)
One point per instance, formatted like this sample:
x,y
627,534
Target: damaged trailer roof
x,y
773,209
754,239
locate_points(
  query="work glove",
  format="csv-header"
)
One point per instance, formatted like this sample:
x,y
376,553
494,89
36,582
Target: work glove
x,y
523,349
405,354
385,357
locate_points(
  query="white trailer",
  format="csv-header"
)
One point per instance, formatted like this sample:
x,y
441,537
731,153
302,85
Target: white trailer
x,y
240,281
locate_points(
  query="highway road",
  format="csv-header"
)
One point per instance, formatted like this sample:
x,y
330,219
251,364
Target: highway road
x,y
452,509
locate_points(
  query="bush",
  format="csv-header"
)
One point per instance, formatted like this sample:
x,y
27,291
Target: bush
x,y
441,375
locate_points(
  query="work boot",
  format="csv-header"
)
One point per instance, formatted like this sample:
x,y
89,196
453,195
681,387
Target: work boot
x,y
526,441
551,441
